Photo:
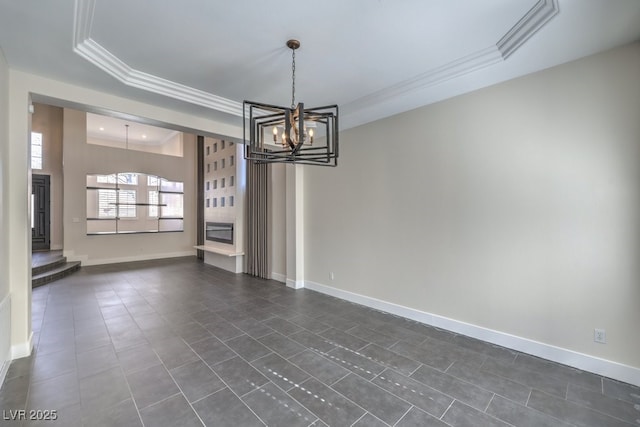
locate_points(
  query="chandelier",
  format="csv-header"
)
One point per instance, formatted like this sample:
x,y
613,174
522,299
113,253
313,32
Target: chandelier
x,y
291,135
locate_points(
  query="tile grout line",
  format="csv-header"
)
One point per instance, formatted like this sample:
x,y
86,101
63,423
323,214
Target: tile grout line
x,y
287,392
584,406
361,417
231,389
524,367
118,366
178,386
328,386
404,415
315,395
447,410
375,375
420,365
489,404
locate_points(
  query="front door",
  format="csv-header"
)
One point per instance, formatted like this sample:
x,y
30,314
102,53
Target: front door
x,y
40,212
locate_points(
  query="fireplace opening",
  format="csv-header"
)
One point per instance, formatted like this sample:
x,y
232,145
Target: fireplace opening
x,y
219,232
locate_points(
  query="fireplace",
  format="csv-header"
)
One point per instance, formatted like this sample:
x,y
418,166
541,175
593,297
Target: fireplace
x,y
219,232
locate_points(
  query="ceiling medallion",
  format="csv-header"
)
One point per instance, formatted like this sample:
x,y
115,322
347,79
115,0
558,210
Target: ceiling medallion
x,y
291,134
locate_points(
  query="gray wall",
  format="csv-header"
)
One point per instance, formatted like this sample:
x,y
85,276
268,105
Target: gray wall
x,y
515,208
5,305
278,190
47,120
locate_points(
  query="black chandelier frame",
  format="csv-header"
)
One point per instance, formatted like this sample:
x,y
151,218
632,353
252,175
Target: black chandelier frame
x,y
301,150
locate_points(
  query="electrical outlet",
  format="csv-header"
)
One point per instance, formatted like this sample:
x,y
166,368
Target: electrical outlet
x,y
600,336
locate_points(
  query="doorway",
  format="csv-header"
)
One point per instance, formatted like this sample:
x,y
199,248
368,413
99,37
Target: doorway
x,y
40,212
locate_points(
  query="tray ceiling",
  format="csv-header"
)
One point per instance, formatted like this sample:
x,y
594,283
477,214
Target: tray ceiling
x,y
373,58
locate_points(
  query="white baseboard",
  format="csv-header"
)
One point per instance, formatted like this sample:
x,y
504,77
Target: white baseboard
x,y
4,369
71,256
585,362
295,284
23,349
278,277
144,257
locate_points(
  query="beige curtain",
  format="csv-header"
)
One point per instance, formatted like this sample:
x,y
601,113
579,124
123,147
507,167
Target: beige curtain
x,y
258,261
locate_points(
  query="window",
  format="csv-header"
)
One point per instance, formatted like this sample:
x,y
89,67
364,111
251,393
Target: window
x,y
222,183
171,205
215,184
36,150
215,147
208,150
127,203
208,167
230,144
128,178
107,206
215,166
232,181
222,163
153,200
222,202
231,200
231,160
215,202
106,203
208,185
223,144
106,179
208,203
133,203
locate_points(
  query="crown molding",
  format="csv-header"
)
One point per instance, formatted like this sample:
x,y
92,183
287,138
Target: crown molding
x,y
475,61
96,54
536,18
103,59
83,17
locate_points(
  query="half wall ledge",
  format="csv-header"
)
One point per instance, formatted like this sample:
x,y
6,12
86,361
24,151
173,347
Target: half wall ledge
x,y
226,259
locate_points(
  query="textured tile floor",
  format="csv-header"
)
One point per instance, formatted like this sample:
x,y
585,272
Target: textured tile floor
x,y
179,343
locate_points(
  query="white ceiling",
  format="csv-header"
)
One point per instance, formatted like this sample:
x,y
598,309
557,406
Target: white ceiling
x,y
374,58
113,129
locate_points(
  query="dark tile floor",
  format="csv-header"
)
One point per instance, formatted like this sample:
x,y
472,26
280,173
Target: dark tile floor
x,y
41,258
179,343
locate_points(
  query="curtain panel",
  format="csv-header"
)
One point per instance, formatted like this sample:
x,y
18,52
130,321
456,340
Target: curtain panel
x,y
258,261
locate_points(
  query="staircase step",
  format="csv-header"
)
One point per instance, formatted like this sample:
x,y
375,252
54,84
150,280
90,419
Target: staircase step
x,y
56,273
49,264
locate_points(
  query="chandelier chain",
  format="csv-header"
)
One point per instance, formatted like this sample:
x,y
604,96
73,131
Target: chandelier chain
x,y
288,127
293,79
